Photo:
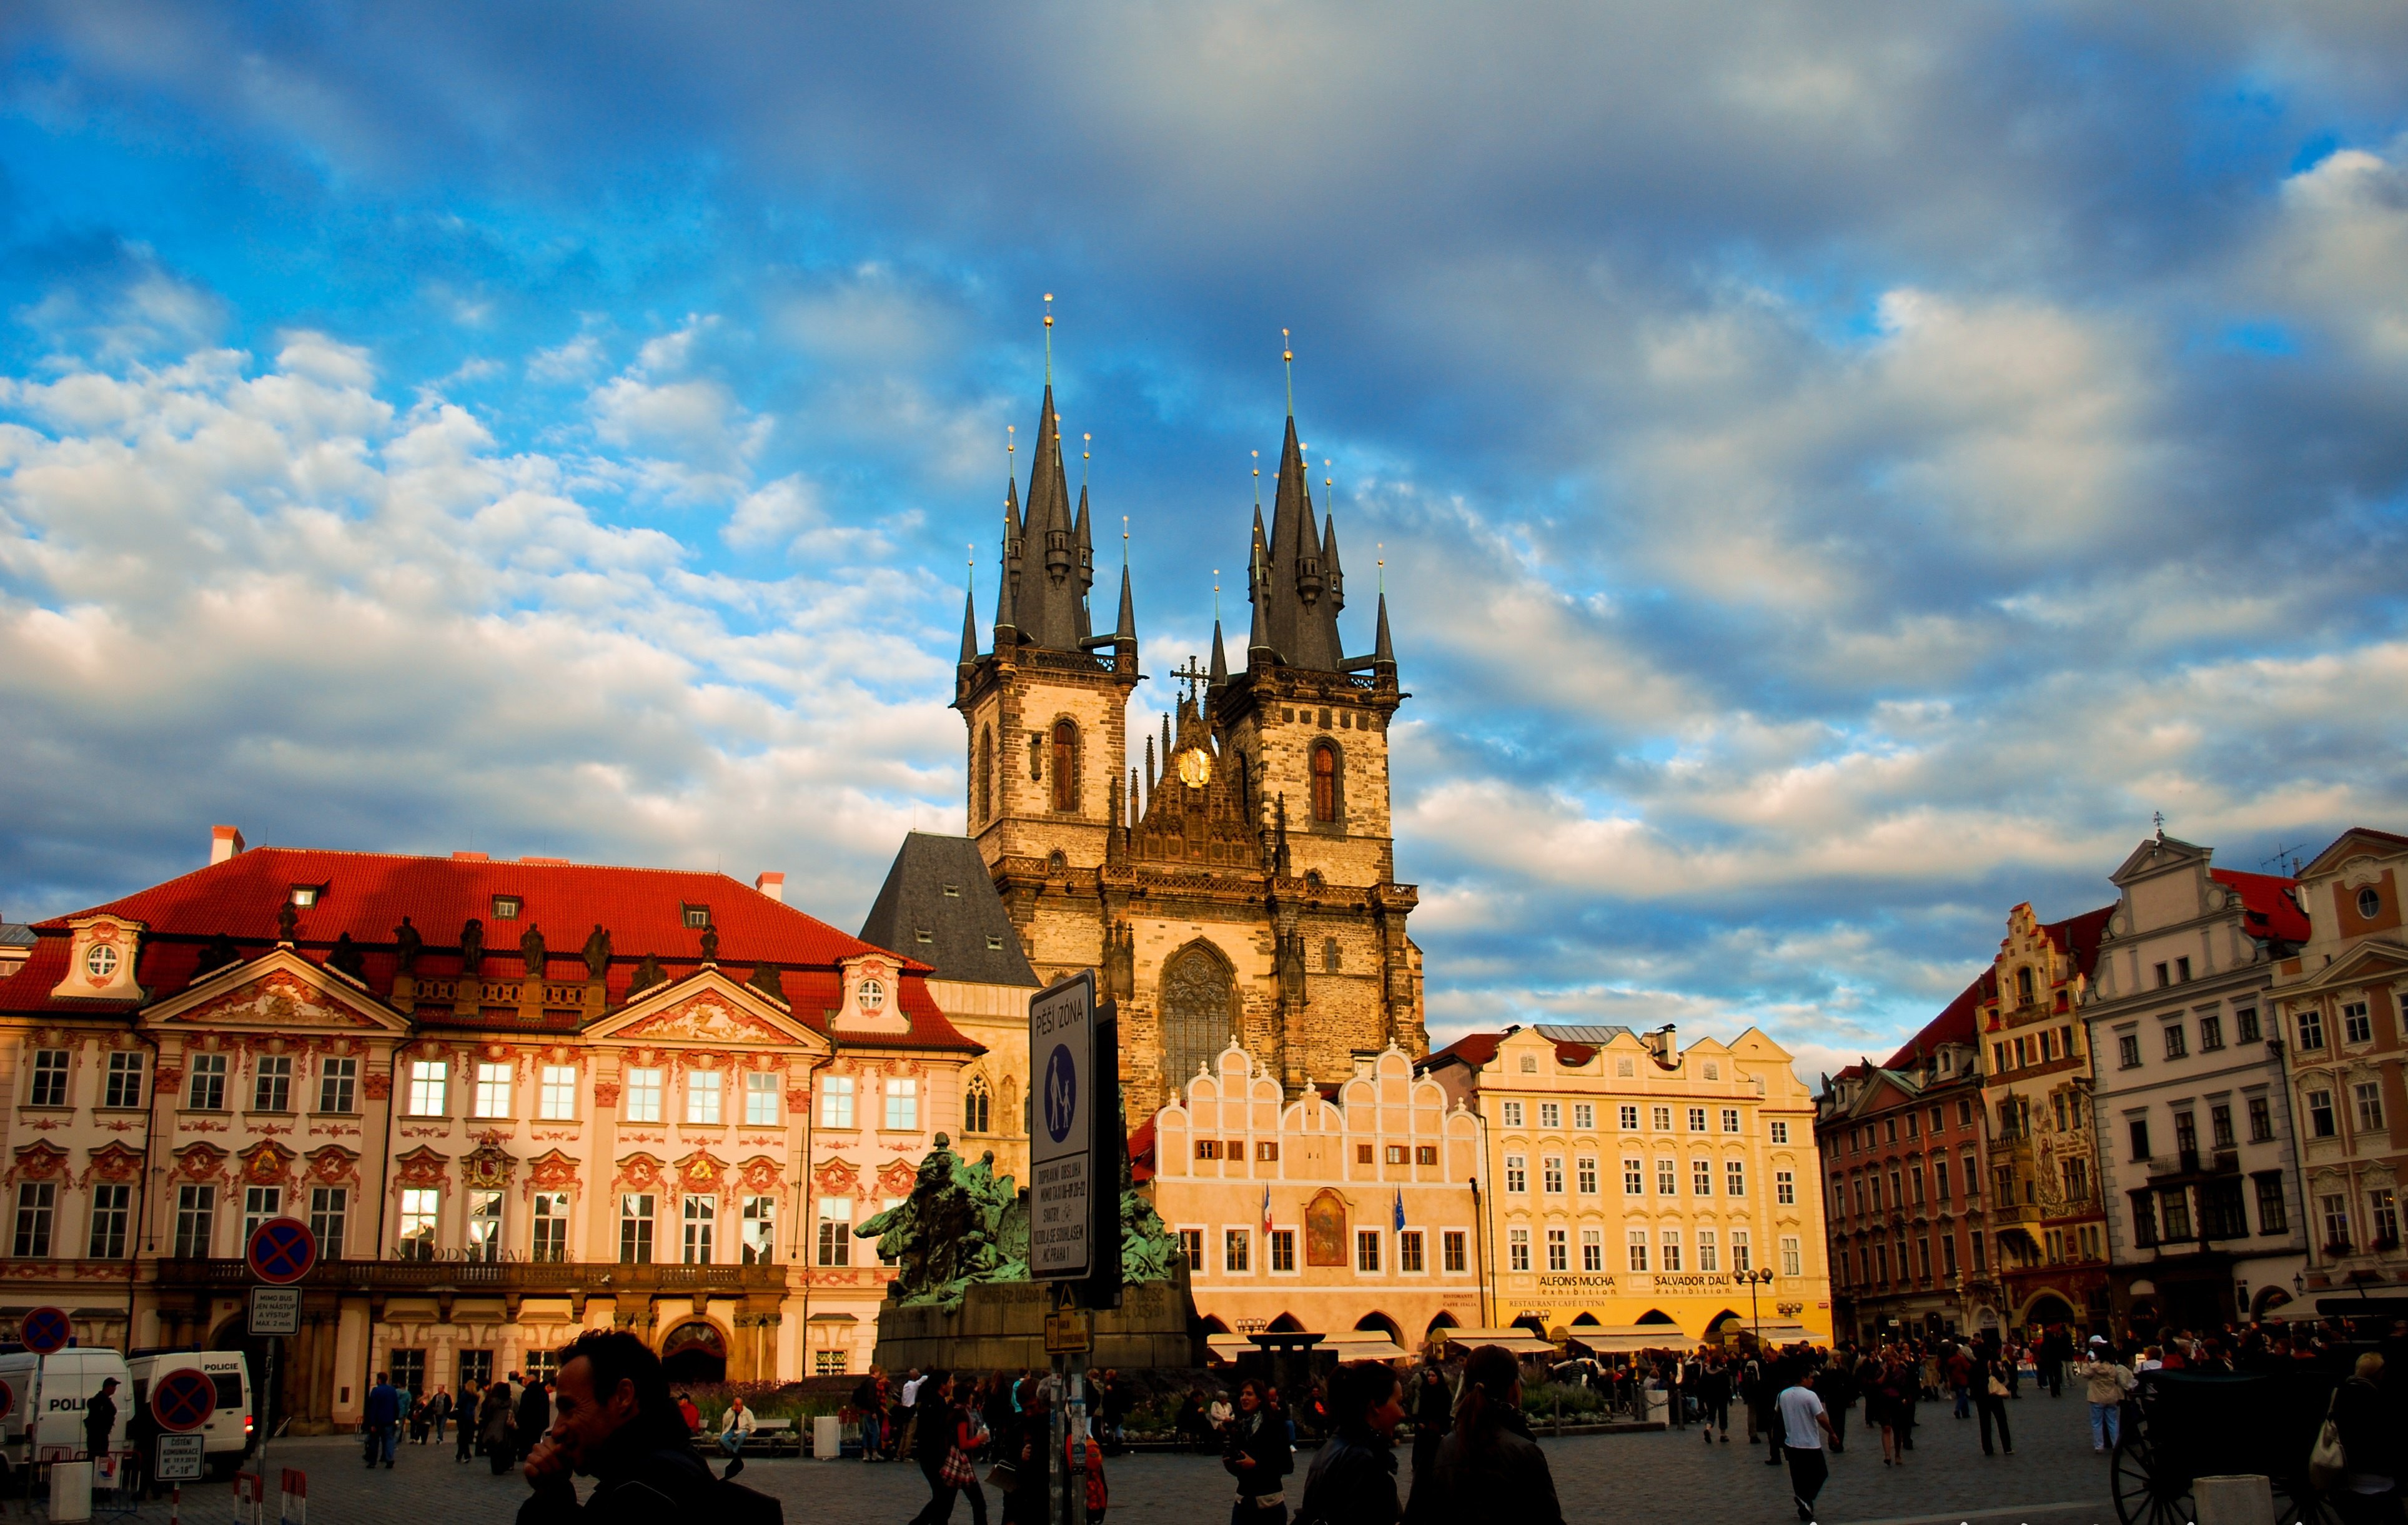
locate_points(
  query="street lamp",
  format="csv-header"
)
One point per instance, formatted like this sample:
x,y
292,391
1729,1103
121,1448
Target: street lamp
x,y
1755,1279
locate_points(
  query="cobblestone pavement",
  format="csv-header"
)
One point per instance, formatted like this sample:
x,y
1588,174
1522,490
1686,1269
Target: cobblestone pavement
x,y
1672,1477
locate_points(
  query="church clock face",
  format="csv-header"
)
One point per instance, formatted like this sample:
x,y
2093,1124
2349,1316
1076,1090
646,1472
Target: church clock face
x,y
1196,768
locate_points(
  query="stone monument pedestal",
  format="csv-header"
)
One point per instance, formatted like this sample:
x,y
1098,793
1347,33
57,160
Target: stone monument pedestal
x,y
1000,1326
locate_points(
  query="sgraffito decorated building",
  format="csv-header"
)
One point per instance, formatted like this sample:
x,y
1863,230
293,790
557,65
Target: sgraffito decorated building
x,y
514,1099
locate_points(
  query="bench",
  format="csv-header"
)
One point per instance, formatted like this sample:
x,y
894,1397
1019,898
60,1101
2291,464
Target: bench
x,y
772,1436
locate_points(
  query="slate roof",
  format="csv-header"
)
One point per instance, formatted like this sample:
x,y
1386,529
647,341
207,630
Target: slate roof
x,y
938,885
366,896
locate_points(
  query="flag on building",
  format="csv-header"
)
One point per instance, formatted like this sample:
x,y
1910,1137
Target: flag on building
x,y
1400,1210
1267,1209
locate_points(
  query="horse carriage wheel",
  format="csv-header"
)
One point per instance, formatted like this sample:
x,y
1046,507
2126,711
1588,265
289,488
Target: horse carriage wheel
x,y
2297,1502
2145,1493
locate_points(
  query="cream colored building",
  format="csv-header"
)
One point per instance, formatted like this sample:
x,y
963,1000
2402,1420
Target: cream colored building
x,y
1341,1213
1630,1183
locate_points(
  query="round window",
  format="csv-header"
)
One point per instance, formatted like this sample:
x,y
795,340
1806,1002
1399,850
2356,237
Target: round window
x,y
100,962
873,995
2370,904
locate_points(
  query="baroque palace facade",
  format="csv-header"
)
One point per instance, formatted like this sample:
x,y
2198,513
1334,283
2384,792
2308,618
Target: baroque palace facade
x,y
514,1099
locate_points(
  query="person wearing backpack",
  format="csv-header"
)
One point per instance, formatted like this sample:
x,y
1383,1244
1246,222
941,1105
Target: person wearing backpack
x,y
617,1424
1352,1481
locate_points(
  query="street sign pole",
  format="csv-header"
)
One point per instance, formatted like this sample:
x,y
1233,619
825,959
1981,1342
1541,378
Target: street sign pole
x,y
1064,1095
281,1252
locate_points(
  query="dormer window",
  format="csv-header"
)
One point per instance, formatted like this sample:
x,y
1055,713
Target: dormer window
x,y
872,996
697,916
953,892
100,962
306,896
995,942
505,907
923,934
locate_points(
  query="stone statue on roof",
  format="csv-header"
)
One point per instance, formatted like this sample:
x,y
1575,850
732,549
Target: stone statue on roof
x,y
407,946
472,946
597,952
531,949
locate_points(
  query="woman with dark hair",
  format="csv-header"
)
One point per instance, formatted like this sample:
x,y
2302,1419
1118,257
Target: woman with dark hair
x,y
1433,1416
1258,1455
1354,1479
1488,1468
1025,1450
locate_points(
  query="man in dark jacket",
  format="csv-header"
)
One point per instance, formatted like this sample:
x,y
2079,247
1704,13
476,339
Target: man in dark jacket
x,y
1433,1416
381,1419
618,1425
534,1417
1354,1479
100,1420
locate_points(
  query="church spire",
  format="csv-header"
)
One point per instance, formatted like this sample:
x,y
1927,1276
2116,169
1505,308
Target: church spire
x,y
1047,600
969,621
1007,622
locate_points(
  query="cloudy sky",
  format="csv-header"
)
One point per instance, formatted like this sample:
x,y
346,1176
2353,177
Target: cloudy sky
x,y
1840,470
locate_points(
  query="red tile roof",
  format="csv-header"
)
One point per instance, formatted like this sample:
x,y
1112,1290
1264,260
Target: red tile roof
x,y
1474,1049
1955,1022
2266,900
2080,936
367,895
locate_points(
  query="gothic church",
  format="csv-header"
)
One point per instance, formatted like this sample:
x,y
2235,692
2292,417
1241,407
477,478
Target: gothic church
x,y
1239,884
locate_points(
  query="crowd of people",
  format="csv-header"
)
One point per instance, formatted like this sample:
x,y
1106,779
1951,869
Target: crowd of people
x,y
501,1420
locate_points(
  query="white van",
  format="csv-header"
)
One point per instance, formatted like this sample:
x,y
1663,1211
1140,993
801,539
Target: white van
x,y
226,1437
47,1395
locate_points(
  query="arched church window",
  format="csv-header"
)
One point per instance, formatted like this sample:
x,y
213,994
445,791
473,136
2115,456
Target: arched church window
x,y
978,1107
1065,766
985,798
1331,960
1197,1000
1324,783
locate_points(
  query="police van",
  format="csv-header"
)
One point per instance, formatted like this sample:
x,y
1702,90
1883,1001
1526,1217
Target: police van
x,y
227,1434
47,1396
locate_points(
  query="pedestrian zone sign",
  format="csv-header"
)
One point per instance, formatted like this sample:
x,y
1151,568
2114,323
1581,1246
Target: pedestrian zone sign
x,y
1061,1153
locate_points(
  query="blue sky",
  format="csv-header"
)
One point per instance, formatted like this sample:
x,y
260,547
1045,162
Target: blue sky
x,y
1839,473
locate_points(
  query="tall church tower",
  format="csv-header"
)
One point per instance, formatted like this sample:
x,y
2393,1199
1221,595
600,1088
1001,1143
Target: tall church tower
x,y
1240,886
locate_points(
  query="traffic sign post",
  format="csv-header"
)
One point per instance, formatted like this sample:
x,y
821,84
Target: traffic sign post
x,y
1061,1153
182,1458
281,1252
183,1399
46,1332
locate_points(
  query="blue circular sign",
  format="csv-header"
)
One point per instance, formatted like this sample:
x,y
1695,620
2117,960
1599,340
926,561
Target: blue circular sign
x,y
282,1251
1061,1093
45,1330
183,1399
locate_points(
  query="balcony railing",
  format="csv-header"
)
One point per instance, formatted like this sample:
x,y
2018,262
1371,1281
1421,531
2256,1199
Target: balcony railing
x,y
522,1277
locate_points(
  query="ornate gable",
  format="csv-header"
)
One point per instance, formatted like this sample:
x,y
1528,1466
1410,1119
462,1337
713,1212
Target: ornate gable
x,y
281,990
708,1008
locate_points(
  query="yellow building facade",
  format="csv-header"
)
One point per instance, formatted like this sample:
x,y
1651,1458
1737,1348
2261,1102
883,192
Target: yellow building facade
x,y
1345,1212
1630,1183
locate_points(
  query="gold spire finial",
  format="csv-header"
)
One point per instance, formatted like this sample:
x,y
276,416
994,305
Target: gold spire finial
x,y
1087,454
1287,358
1049,338
1125,542
1258,480
1381,547
1216,594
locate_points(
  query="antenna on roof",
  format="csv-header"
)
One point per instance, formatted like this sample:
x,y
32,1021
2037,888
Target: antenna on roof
x,y
2159,817
2282,856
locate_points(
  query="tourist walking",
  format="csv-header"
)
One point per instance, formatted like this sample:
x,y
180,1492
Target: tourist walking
x,y
1836,1384
533,1421
438,1408
493,1427
2109,1380
1991,1390
1803,1426
970,1437
1353,1480
1713,1399
379,1421
469,1392
1433,1416
932,1444
1958,1368
1488,1467
1257,1453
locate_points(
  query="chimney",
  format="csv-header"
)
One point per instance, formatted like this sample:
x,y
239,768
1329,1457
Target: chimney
x,y
224,843
771,884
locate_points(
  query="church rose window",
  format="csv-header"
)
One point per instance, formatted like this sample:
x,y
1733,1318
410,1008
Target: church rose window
x,y
1065,766
1196,1001
1324,783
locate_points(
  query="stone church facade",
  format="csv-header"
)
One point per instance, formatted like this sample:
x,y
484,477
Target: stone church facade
x,y
1234,879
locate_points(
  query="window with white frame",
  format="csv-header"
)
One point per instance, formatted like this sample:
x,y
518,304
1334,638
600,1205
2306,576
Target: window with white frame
x,y
1730,1119
1583,1114
429,1081
1551,1175
259,1205
418,1207
1591,1250
123,1086
112,1204
835,1245
702,1098
635,1218
330,1212
701,1229
484,1225
338,1081
643,1095
2355,1027
2368,1094
1517,1174
1780,1131
1453,1250
1366,1250
902,1104
271,1082
1696,1119
761,1098
205,1082
1408,1252
1559,1251
1637,1241
196,1209
1660,1119
1551,1115
1517,1249
1513,1111
556,1093
1584,1175
1668,1178
836,1102
1668,1244
50,1081
1784,1188
36,1207
1634,1178
1709,1253
493,1096
1792,1259
1628,1117
1738,1249
550,1241
1237,1251
1734,1178
1702,1178
760,1231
